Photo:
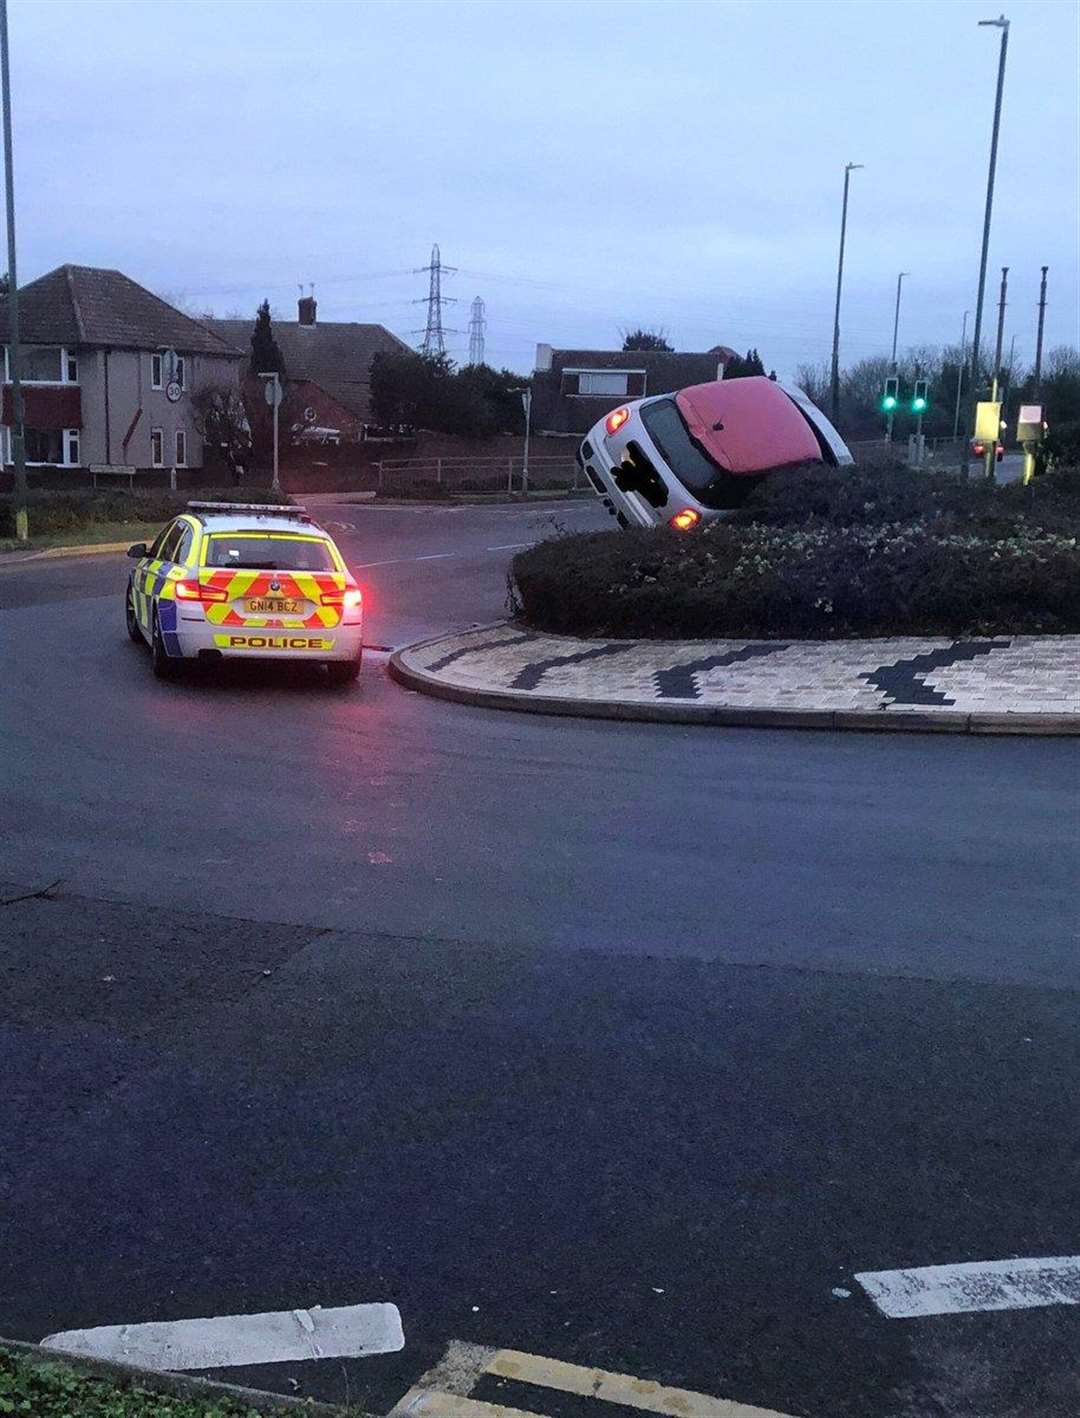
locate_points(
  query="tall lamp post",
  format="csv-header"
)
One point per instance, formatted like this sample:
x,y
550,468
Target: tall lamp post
x,y
848,170
895,333
961,362
1002,24
18,442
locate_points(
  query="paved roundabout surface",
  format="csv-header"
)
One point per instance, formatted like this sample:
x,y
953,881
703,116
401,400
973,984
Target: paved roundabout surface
x,y
622,1046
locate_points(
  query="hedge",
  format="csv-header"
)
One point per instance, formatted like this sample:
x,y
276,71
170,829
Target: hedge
x,y
823,556
52,512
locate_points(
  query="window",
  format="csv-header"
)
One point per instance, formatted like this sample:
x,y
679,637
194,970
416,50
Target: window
x,y
155,371
157,448
178,371
71,447
160,540
171,545
255,551
181,449
44,445
41,364
184,549
706,480
611,382
71,372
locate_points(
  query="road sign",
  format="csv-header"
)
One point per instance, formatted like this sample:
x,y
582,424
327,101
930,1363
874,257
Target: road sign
x,y
988,421
272,393
173,391
1030,427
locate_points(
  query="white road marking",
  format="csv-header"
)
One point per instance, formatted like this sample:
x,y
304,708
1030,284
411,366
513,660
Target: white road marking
x,y
436,556
444,1391
511,546
973,1286
346,1331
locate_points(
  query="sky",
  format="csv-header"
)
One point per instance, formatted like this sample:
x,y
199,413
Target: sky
x,y
586,165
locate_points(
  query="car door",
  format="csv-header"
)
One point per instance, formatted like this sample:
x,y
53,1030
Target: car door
x,y
152,571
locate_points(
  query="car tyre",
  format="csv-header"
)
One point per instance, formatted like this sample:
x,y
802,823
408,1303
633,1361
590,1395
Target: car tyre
x,y
132,621
343,672
164,665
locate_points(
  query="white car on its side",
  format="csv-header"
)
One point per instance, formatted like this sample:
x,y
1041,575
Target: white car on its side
x,y
227,580
687,457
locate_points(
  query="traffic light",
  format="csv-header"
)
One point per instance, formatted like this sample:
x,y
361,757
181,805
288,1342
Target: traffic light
x,y
891,396
920,399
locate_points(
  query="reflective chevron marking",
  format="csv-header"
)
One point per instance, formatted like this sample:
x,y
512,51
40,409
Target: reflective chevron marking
x,y
444,1392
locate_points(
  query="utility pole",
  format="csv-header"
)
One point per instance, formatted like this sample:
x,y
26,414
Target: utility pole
x,y
1003,24
960,377
18,433
895,333
991,452
273,398
848,170
1039,337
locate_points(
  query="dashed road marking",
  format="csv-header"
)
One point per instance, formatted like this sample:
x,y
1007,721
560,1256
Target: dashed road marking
x,y
973,1286
444,1392
229,1341
511,546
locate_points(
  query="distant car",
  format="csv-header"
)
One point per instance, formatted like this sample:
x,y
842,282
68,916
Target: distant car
x,y
695,455
978,448
231,580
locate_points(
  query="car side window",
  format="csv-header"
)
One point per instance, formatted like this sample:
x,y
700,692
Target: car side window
x,y
159,541
171,545
184,549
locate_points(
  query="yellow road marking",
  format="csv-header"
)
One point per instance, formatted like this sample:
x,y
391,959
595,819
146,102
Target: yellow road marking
x,y
619,1388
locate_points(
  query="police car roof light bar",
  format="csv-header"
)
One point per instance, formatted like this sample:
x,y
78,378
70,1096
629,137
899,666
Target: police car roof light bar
x,y
290,509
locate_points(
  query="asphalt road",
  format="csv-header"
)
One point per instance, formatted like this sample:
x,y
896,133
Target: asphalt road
x,y
626,1045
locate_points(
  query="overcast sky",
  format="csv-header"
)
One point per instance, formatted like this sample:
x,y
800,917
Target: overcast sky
x,y
587,166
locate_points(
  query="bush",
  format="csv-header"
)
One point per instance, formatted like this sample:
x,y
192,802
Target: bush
x,y
822,555
53,512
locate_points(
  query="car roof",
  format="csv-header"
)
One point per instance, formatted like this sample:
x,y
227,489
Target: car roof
x,y
748,425
219,522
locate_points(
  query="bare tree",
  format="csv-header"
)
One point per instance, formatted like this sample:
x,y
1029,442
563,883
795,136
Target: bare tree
x,y
222,424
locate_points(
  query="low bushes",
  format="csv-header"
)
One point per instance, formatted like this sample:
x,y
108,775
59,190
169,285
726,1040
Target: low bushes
x,y
53,512
821,555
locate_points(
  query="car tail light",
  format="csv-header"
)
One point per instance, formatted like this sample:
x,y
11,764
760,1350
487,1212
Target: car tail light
x,y
193,591
350,597
615,420
685,520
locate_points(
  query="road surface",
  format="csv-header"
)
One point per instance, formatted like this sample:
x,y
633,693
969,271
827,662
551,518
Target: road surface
x,y
623,1045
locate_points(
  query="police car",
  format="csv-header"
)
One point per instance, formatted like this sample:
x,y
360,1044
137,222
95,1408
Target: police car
x,y
231,580
687,457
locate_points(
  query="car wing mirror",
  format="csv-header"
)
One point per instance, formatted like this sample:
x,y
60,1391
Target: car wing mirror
x,y
138,550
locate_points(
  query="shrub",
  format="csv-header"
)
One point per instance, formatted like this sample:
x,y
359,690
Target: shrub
x,y
822,555
53,512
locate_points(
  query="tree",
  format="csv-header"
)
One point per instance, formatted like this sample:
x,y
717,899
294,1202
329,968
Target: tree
x,y
642,339
740,368
5,284
222,423
426,391
265,354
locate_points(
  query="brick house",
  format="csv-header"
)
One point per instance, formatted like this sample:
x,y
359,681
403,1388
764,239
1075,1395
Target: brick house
x,y
107,370
327,368
574,388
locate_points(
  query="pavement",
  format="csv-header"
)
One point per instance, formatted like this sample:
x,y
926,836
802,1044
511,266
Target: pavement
x,y
590,1046
1008,684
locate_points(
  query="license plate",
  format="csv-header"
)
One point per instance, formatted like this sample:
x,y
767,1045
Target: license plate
x,y
273,605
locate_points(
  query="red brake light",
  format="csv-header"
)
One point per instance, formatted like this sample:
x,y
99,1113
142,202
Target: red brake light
x,y
353,598
616,419
193,591
686,519
349,598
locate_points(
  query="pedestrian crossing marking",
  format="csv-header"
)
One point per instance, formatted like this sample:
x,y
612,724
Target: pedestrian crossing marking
x,y
444,1392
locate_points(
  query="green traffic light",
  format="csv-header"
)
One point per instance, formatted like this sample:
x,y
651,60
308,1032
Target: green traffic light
x,y
888,403
918,405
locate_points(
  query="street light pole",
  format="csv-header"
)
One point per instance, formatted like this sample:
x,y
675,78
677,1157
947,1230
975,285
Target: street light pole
x,y
273,398
961,362
848,170
18,443
1003,24
895,333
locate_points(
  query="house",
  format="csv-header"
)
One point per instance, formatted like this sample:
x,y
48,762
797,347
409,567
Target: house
x,y
108,370
573,388
327,367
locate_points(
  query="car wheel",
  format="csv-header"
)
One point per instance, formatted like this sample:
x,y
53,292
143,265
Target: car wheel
x,y
342,672
165,667
131,619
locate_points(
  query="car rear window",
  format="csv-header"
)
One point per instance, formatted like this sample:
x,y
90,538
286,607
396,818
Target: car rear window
x,y
266,552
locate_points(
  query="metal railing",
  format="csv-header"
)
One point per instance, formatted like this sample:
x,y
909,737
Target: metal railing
x,y
462,474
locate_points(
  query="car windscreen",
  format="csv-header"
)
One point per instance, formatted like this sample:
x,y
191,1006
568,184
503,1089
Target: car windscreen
x,y
691,466
266,552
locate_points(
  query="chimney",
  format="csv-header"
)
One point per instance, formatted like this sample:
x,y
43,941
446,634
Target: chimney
x,y
305,307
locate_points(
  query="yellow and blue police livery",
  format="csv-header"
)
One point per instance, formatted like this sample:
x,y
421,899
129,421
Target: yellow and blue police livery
x,y
248,580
